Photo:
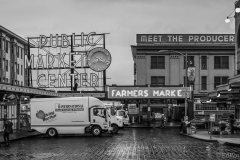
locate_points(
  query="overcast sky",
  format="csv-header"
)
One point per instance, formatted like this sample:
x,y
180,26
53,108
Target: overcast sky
x,y
123,19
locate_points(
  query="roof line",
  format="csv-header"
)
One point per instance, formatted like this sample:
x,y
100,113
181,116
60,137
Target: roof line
x,y
15,35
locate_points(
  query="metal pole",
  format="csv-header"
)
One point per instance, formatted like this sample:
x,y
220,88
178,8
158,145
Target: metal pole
x,y
104,72
72,69
186,86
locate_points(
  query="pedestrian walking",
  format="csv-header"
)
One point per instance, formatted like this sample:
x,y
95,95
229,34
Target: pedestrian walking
x,y
182,123
188,125
7,129
163,119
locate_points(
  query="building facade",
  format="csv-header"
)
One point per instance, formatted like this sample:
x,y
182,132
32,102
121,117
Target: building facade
x,y
161,59
13,49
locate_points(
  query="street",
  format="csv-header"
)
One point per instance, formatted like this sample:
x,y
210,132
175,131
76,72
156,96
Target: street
x,y
130,143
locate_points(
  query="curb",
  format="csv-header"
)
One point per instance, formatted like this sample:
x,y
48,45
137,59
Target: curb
x,y
155,127
231,144
206,140
22,137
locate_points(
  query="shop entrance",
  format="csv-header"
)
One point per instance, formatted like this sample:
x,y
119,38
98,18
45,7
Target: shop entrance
x,y
10,110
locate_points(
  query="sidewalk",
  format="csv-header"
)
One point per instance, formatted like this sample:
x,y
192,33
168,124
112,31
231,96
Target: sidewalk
x,y
153,125
19,135
231,140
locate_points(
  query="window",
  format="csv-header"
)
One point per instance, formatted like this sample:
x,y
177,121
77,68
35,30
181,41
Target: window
x,y
204,83
3,44
21,69
220,81
221,62
0,43
100,112
190,61
135,69
17,51
3,63
204,62
17,68
6,80
7,65
21,83
157,62
12,67
22,53
158,80
7,46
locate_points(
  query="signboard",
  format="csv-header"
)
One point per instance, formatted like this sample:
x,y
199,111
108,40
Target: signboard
x,y
185,38
146,92
132,109
10,96
191,74
60,61
201,113
212,117
24,108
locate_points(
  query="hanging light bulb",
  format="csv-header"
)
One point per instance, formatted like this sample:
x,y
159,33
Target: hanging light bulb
x,y
227,20
237,10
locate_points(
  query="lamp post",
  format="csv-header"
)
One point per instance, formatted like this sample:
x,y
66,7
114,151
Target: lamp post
x,y
186,74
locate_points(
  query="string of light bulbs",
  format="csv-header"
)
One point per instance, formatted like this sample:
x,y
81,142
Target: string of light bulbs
x,y
237,10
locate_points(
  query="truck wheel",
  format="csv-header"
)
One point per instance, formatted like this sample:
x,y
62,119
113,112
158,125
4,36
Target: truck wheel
x,y
51,132
96,131
115,128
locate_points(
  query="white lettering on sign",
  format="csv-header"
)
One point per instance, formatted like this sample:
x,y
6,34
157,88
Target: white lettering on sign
x,y
146,93
131,93
63,41
163,93
185,38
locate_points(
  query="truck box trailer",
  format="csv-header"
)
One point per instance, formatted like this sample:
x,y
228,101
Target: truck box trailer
x,y
71,115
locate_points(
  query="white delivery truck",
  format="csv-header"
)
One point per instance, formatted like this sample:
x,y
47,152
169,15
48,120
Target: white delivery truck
x,y
71,115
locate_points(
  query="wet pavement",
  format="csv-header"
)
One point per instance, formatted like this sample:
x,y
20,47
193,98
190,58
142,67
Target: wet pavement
x,y
130,143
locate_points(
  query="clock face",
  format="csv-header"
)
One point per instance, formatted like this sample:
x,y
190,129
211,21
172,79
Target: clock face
x,y
99,59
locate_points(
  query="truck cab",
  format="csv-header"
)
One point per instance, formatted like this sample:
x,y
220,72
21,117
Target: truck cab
x,y
123,114
116,122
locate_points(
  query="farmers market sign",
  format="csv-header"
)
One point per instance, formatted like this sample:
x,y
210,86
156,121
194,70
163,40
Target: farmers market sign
x,y
146,92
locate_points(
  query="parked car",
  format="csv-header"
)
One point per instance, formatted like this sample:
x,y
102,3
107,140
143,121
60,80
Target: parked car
x,y
199,122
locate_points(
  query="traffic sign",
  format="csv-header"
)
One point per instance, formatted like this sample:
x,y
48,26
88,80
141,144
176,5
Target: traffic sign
x,y
212,117
185,93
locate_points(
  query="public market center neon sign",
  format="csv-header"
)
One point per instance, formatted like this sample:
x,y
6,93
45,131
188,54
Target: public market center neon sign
x,y
58,61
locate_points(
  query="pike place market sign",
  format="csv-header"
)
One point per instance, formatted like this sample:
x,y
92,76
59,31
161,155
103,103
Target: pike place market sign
x,y
146,92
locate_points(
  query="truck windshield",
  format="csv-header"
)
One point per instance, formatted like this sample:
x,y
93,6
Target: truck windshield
x,y
121,113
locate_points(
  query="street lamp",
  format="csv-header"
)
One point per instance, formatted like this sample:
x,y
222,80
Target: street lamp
x,y
185,83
